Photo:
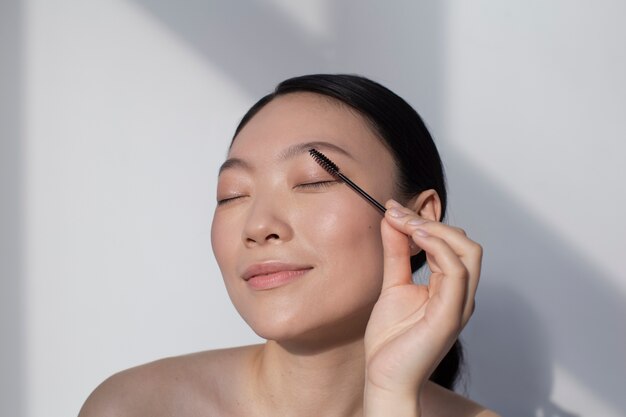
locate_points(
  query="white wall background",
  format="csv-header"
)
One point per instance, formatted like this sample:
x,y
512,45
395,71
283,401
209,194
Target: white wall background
x,y
116,114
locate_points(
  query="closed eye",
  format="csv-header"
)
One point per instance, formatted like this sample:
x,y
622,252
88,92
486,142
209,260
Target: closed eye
x,y
317,184
229,199
307,185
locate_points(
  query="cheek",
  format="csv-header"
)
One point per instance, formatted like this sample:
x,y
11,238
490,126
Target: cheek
x,y
226,244
223,241
346,239
347,243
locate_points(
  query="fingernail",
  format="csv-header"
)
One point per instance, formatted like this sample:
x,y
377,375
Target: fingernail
x,y
394,203
394,212
421,232
416,222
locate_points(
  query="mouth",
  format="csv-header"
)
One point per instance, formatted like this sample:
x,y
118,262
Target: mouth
x,y
268,275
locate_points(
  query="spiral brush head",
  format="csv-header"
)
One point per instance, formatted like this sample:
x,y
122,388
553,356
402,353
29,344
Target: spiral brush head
x,y
324,162
333,170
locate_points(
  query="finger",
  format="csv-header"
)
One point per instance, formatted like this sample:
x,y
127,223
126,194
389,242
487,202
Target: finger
x,y
396,257
407,221
468,251
452,276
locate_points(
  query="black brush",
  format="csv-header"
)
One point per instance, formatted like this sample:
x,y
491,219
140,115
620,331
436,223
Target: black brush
x,y
333,169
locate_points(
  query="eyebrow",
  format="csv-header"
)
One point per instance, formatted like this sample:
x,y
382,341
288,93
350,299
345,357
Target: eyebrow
x,y
288,153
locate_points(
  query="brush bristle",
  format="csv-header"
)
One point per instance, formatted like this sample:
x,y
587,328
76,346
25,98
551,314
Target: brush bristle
x,y
324,162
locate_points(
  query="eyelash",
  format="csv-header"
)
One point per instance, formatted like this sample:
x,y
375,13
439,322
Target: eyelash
x,y
317,184
228,200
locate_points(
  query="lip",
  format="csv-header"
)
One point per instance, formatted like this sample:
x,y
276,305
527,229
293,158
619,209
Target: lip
x,y
269,275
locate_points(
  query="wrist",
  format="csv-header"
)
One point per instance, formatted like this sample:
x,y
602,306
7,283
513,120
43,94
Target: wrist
x,y
381,402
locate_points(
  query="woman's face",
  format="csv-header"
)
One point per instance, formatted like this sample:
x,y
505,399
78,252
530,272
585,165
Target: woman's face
x,y
300,253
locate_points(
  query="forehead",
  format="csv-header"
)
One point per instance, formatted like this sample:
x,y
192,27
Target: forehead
x,y
303,117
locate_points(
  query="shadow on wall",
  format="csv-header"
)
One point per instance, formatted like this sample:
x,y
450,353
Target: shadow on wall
x,y
11,319
540,305
551,306
258,45
509,355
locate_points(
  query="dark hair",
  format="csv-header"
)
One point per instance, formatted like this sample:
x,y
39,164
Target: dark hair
x,y
403,132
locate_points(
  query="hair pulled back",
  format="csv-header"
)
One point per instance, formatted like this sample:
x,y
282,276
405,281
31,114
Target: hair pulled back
x,y
403,132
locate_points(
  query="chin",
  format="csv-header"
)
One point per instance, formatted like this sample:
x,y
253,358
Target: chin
x,y
309,332
275,328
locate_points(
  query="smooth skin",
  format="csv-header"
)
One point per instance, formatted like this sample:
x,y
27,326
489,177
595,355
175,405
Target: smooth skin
x,y
353,335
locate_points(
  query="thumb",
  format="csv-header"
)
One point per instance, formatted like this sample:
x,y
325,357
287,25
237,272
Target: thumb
x,y
396,256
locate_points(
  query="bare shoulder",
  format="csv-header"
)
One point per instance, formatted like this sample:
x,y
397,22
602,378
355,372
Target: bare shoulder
x,y
172,386
440,401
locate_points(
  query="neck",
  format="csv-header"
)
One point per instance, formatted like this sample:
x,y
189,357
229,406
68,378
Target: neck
x,y
323,380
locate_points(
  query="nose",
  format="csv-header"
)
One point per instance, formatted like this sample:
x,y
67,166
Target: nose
x,y
266,223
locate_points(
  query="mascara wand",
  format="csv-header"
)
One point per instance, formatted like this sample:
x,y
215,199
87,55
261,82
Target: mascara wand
x,y
333,170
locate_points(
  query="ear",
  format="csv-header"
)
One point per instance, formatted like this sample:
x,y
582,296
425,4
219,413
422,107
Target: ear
x,y
427,205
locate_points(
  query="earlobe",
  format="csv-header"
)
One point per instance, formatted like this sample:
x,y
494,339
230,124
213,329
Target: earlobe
x,y
427,205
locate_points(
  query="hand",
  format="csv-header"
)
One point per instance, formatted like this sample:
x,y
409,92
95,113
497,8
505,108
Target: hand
x,y
413,326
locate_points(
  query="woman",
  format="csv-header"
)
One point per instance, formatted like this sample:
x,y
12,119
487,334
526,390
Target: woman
x,y
321,274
